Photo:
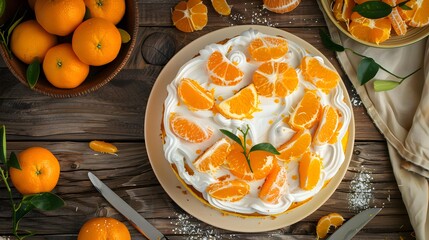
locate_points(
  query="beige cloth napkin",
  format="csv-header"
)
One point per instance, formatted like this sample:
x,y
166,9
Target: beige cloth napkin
x,y
402,116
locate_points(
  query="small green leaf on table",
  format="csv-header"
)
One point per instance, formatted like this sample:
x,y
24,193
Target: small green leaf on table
x,y
3,144
367,69
328,43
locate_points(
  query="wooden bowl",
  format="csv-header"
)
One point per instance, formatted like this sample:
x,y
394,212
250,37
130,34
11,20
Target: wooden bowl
x,y
413,34
98,76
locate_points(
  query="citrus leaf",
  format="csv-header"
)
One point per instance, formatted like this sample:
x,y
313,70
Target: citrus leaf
x,y
385,85
24,207
3,144
13,161
2,7
267,147
12,27
328,43
373,9
367,69
33,72
403,6
47,201
125,36
232,136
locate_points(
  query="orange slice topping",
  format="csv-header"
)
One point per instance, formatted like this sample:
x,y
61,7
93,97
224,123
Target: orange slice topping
x,y
275,185
281,6
310,167
319,74
275,79
230,190
395,18
195,96
327,126
267,48
213,157
343,10
189,130
189,16
296,146
370,30
221,7
306,112
326,222
222,71
240,105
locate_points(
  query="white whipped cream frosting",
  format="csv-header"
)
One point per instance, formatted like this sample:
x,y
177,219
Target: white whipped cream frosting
x,y
266,126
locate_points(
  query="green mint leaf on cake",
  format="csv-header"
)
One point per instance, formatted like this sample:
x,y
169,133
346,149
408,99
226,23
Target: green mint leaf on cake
x,y
373,9
267,147
232,136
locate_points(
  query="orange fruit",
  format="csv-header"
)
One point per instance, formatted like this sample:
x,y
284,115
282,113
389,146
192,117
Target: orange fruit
x,y
267,48
370,30
275,185
189,16
306,113
213,157
62,67
222,71
194,95
96,41
221,7
343,10
103,228
262,162
240,105
327,126
281,6
319,74
326,222
295,147
111,10
103,147
419,15
40,171
59,17
29,41
231,190
189,130
398,24
310,167
276,79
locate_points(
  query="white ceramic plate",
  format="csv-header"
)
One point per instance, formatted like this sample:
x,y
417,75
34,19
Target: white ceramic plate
x,y
165,173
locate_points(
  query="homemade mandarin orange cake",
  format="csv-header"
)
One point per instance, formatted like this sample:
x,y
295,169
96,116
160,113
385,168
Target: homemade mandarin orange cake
x,y
254,125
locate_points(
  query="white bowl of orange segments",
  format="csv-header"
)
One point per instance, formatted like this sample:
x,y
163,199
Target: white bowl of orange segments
x,y
78,44
400,28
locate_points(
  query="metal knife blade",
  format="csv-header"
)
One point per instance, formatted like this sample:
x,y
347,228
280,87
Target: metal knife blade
x,y
354,224
141,224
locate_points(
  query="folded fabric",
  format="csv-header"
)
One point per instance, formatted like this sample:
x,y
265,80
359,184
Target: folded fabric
x,y
400,116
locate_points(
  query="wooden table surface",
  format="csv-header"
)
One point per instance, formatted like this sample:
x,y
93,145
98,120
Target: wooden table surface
x,y
116,113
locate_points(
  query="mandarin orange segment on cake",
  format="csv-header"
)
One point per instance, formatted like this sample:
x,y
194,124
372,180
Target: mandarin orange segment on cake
x,y
240,105
231,191
319,74
222,71
327,126
276,79
268,48
213,157
189,130
306,112
195,96
295,147
310,167
189,16
275,185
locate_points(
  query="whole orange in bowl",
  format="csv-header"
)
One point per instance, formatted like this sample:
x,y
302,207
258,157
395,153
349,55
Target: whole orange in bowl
x,y
40,171
62,67
103,228
96,41
111,10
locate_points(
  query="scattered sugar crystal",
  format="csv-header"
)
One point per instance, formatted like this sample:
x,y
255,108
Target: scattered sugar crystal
x,y
361,191
355,99
254,14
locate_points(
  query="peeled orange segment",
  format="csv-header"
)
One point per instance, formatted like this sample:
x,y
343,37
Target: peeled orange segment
x,y
221,7
326,222
262,162
281,6
194,95
222,71
398,24
189,130
213,157
268,48
419,15
275,185
319,74
306,113
231,190
296,146
327,126
370,30
310,167
276,79
103,147
189,16
343,10
240,105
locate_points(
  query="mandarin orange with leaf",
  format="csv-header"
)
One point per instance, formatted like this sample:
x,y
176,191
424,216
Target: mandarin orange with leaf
x,y
111,10
370,30
40,171
103,228
189,16
418,16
